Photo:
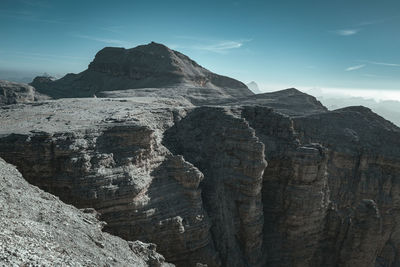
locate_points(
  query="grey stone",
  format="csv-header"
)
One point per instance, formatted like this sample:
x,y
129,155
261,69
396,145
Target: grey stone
x,y
37,229
212,175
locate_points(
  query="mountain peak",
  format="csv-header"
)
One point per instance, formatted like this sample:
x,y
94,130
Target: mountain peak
x,y
152,65
291,91
153,46
142,61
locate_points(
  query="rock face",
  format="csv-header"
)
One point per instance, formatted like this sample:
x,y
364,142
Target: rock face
x,y
290,101
42,80
228,153
13,93
37,229
140,189
145,66
295,193
272,179
363,164
195,180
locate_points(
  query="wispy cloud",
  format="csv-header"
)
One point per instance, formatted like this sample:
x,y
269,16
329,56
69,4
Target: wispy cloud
x,y
210,45
382,63
374,75
346,32
357,67
377,21
221,47
356,28
104,40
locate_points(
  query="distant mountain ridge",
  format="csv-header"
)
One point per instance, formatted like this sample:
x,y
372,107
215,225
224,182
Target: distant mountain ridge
x,y
15,93
389,109
146,66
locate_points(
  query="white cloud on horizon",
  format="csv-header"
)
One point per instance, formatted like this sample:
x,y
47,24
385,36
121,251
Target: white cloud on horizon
x,y
385,103
336,92
374,94
357,67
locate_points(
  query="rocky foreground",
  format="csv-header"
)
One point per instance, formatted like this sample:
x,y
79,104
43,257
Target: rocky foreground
x,y
246,180
223,185
37,229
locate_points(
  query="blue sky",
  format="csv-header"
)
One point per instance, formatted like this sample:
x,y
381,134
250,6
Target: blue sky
x,y
308,44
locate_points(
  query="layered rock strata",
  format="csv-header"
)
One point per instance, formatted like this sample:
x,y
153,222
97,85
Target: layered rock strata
x,y
195,180
364,157
37,229
119,168
295,191
226,150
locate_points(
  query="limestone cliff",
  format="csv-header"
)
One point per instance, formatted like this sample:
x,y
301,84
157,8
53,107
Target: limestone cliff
x,y
211,173
232,185
119,168
37,229
227,152
364,157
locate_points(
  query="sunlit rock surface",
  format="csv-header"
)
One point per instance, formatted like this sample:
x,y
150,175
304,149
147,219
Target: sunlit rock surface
x,y
37,229
209,172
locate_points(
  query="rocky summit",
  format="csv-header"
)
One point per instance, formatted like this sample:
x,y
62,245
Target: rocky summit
x,y
146,66
205,171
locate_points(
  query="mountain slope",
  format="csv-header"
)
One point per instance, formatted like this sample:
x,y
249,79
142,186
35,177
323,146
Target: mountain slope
x,y
145,66
37,229
289,101
268,180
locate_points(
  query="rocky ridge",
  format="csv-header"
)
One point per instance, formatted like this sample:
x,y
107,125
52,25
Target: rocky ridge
x,y
195,180
146,66
272,179
39,230
128,173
